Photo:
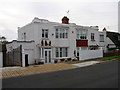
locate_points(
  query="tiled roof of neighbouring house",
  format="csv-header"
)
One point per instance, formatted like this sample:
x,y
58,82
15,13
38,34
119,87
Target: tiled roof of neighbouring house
x,y
114,37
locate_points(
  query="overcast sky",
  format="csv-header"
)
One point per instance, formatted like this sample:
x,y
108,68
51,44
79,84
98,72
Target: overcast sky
x,y
17,13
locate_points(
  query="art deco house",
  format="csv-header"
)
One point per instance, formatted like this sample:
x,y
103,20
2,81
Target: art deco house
x,y
47,42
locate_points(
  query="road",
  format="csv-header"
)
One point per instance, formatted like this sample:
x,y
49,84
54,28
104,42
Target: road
x,y
104,75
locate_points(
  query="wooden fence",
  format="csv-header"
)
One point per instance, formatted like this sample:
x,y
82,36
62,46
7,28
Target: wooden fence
x,y
14,57
111,53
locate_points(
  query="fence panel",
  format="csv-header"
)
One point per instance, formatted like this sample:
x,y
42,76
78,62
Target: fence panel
x,y
111,53
14,57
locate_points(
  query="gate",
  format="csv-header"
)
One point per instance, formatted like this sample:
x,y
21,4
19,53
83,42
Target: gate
x,y
14,57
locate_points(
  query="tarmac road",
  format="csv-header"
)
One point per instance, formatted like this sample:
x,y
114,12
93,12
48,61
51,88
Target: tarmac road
x,y
104,75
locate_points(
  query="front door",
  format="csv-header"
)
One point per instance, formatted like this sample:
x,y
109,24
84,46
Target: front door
x,y
47,55
26,60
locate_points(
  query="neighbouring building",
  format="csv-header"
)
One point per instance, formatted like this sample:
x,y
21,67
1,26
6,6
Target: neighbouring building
x,y
113,40
48,42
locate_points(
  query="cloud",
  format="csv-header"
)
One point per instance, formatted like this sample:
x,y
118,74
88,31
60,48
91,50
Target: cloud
x,y
17,13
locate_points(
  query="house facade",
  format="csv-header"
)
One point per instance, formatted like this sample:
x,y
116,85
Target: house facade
x,y
52,41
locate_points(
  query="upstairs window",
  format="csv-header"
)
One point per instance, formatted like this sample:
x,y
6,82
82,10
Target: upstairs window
x,y
44,33
92,37
82,34
24,36
61,33
101,38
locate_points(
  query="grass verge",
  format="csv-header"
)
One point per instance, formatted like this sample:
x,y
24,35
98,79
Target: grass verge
x,y
111,58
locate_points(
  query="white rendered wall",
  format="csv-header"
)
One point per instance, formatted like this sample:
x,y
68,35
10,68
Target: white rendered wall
x,y
27,47
96,37
103,44
90,54
1,59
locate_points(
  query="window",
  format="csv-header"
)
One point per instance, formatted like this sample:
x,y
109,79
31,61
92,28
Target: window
x,y
61,52
61,33
44,33
57,52
92,37
82,34
101,38
24,35
83,48
57,33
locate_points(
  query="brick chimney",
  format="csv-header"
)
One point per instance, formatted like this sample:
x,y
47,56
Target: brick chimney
x,y
104,29
65,20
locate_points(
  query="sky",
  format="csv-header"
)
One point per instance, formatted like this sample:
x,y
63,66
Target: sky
x,y
17,13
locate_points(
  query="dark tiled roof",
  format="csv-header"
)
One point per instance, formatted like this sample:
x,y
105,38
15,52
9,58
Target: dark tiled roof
x,y
114,37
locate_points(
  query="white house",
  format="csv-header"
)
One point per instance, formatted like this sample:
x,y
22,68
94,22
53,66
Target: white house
x,y
51,41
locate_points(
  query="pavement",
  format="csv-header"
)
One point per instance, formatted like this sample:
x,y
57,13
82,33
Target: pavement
x,y
104,75
34,69
84,64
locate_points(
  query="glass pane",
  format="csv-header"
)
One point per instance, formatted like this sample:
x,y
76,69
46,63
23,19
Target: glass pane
x,y
49,56
66,52
57,52
60,52
46,33
42,33
77,36
56,33
45,56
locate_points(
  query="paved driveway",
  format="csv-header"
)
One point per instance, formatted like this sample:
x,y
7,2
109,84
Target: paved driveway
x,y
19,71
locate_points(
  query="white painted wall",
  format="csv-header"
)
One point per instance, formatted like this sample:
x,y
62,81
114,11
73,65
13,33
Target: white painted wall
x,y
103,44
27,47
1,59
90,54
96,37
34,32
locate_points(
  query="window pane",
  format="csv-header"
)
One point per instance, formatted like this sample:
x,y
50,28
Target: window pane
x,y
83,48
61,33
46,33
66,53
57,52
42,33
56,33
101,37
60,52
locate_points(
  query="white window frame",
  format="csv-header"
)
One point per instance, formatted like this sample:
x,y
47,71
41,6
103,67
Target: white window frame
x,y
102,39
80,35
44,32
61,33
62,52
